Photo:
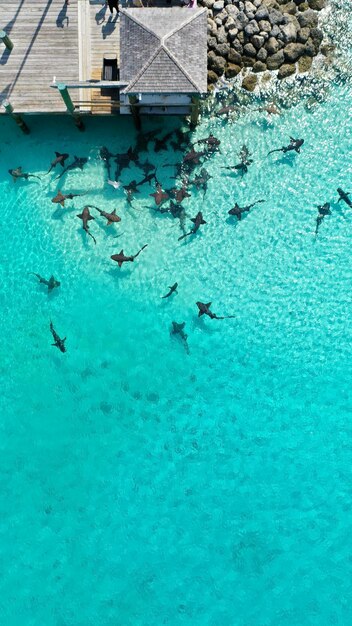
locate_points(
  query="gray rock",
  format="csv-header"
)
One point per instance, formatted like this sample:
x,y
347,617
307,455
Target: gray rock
x,y
259,66
250,16
289,33
275,31
248,61
240,37
229,22
208,3
274,61
218,5
222,16
264,35
232,33
249,82
212,42
262,54
249,50
234,57
232,10
309,48
286,70
242,19
222,49
303,34
218,22
212,77
264,26
272,45
237,46
257,41
249,7
317,37
252,28
216,63
241,6
293,51
257,3
211,27
275,17
221,35
262,13
308,18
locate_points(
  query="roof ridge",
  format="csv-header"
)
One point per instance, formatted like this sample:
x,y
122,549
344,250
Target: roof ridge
x,y
180,67
185,23
144,68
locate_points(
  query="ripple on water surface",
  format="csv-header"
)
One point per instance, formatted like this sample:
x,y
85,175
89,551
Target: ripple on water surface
x,y
140,484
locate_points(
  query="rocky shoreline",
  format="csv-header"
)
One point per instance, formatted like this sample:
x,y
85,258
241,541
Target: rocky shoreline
x,y
261,35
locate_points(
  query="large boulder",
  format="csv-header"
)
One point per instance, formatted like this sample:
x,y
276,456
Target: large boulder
x,y
272,45
212,43
232,34
308,18
234,57
232,70
216,63
257,41
262,54
276,17
286,70
275,31
249,50
218,5
309,48
212,77
293,51
232,10
289,32
221,35
222,49
289,8
249,82
248,61
242,19
251,28
303,34
262,13
317,36
274,61
264,25
259,66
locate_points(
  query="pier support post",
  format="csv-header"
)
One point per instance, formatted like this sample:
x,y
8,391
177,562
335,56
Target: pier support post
x,y
135,111
194,111
15,116
70,106
6,40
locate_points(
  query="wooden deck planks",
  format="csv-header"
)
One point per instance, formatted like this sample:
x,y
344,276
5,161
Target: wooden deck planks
x,y
42,49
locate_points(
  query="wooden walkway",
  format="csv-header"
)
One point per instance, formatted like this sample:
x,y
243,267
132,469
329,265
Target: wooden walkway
x,y
45,38
53,40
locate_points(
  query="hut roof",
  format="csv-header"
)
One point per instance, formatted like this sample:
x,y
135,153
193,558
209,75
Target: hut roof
x,y
163,50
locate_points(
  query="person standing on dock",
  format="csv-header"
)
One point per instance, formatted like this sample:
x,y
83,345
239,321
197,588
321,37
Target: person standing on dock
x,y
113,4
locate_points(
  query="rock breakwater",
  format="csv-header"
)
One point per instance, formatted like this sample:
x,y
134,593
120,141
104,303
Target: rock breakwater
x,y
261,35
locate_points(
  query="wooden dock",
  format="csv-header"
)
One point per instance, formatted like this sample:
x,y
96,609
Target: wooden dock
x,y
53,41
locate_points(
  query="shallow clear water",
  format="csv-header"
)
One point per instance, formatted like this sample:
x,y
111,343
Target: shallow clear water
x,y
141,485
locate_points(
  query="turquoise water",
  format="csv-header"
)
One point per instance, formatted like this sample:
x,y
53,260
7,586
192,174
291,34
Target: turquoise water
x,y
141,485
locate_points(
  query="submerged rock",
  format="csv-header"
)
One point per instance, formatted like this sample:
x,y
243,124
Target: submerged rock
x,y
249,82
286,70
304,64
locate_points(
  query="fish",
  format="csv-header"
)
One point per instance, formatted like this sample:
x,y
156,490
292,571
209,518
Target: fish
x,y
121,258
58,343
85,216
237,211
17,173
204,309
51,283
344,196
198,221
61,197
60,159
77,163
172,289
295,144
178,329
112,217
159,195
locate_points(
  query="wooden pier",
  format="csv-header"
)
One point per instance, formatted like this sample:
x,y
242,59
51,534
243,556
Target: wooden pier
x,y
55,42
